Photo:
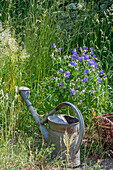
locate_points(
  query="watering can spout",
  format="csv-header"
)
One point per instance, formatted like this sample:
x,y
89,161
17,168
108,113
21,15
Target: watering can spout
x,y
25,93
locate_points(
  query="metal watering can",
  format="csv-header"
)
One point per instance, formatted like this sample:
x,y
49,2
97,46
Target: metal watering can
x,y
58,124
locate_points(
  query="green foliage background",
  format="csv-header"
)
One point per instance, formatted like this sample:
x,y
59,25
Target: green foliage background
x,y
34,26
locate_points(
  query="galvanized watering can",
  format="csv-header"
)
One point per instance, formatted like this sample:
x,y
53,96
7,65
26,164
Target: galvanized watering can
x,y
58,125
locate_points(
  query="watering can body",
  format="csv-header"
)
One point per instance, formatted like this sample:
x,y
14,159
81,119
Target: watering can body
x,y
58,125
56,136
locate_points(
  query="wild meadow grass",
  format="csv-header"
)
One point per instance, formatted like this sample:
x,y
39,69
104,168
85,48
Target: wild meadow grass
x,y
28,29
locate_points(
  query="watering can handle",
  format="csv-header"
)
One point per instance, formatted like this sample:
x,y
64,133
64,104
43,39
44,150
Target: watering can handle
x,y
80,118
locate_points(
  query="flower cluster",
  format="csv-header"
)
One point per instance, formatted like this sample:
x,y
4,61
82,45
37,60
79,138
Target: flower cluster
x,y
78,74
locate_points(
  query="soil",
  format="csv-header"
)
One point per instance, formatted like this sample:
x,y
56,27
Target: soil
x,y
100,164
107,164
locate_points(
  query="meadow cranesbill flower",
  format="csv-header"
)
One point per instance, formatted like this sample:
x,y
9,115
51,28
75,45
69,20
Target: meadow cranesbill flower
x,y
86,71
83,54
67,76
72,90
61,70
105,76
80,100
99,80
85,79
85,48
81,58
91,62
77,57
54,46
60,49
93,89
67,73
74,51
91,48
53,78
80,48
60,84
94,56
96,64
91,53
73,63
86,57
97,68
74,55
101,72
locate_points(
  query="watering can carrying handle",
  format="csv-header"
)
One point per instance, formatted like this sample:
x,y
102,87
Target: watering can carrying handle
x,y
80,118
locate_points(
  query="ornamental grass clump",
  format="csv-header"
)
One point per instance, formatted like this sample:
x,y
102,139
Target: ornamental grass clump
x,y
79,78
9,48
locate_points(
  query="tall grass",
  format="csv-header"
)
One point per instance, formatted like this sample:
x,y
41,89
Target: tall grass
x,y
69,24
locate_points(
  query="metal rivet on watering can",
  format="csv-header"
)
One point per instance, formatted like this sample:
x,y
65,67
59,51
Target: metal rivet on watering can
x,y
58,125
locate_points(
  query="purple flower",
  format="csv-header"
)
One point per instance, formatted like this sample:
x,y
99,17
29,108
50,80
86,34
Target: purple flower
x,y
73,63
86,57
74,51
101,72
85,79
91,48
91,53
99,80
61,70
67,73
75,56
97,68
93,89
83,54
60,49
72,90
67,76
81,58
53,78
94,56
60,84
105,76
80,100
80,48
96,64
91,62
87,107
86,71
85,48
54,46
